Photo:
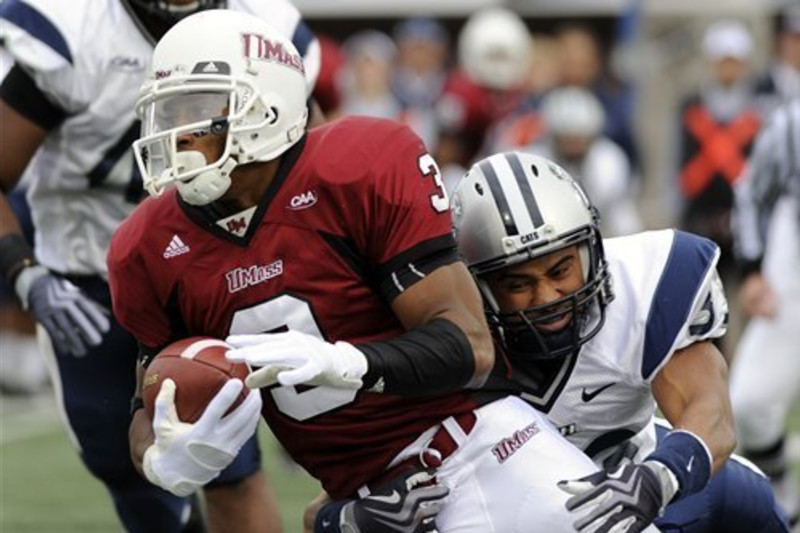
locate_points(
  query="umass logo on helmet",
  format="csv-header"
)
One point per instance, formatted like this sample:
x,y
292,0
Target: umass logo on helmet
x,y
262,49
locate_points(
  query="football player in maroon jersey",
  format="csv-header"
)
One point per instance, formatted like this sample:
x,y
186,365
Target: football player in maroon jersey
x,y
339,282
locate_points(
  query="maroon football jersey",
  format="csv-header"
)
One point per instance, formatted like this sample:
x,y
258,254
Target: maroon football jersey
x,y
353,204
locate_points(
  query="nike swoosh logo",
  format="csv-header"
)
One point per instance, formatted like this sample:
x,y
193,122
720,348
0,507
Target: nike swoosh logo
x,y
587,396
391,499
689,466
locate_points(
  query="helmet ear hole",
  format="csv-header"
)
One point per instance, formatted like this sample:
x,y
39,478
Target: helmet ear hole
x,y
535,170
273,115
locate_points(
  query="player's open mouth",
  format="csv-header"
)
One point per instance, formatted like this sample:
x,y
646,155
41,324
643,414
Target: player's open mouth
x,y
554,324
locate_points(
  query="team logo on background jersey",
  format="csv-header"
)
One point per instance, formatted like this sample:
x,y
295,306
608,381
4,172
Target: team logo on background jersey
x,y
129,64
508,446
175,247
303,201
242,278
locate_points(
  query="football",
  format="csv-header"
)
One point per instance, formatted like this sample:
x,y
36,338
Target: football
x,y
199,369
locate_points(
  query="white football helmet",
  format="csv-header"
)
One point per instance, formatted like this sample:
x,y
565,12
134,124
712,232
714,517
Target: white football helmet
x,y
223,73
514,207
573,111
494,48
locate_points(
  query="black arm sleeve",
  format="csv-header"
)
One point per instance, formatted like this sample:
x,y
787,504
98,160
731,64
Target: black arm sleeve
x,y
20,92
433,359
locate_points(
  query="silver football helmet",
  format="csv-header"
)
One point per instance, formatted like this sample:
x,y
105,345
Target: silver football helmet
x,y
514,207
225,73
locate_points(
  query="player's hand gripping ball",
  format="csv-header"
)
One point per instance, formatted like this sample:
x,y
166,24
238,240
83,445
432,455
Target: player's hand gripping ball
x,y
199,369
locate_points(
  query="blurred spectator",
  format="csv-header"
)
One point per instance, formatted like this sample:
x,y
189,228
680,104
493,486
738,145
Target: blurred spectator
x,y
717,127
765,378
365,80
420,72
782,81
583,65
494,50
574,120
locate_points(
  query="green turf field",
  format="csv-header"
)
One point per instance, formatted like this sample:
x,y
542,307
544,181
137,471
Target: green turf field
x,y
44,488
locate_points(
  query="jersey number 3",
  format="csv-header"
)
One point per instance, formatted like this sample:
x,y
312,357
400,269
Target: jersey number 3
x,y
282,312
428,167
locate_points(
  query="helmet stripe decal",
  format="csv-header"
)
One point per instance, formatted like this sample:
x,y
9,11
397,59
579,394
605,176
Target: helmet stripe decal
x,y
525,188
499,197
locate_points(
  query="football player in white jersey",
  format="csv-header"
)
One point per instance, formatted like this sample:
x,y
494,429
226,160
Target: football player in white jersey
x,y
598,334
67,119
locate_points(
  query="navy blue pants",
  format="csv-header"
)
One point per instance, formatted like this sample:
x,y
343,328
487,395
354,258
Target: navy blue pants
x,y
737,500
96,391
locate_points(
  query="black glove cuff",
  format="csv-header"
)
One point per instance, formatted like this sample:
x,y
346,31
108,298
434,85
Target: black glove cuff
x,y
748,267
136,403
15,256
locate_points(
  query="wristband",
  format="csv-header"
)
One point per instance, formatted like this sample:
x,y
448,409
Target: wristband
x,y
687,457
136,403
15,256
329,516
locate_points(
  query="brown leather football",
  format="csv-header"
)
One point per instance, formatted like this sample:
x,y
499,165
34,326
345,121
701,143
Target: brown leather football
x,y
199,369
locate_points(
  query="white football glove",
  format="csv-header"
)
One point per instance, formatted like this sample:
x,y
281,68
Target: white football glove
x,y
184,457
292,358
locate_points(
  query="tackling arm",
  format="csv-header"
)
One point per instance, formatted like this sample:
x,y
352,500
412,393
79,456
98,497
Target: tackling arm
x,y
692,392
450,293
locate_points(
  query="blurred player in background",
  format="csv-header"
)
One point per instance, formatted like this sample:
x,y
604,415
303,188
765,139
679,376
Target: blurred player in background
x,y
341,285
765,378
66,118
574,120
597,333
582,64
494,54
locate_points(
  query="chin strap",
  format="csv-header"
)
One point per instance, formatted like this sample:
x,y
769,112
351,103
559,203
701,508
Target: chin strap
x,y
207,186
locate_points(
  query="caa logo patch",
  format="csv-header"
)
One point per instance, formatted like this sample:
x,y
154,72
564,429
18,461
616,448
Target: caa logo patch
x,y
302,201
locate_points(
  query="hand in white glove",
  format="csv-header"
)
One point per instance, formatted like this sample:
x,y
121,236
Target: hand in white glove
x,y
292,358
184,457
72,319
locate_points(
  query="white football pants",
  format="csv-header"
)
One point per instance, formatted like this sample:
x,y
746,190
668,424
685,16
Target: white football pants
x,y
517,494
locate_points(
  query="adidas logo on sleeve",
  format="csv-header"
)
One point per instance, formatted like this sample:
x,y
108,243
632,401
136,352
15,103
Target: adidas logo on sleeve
x,y
175,247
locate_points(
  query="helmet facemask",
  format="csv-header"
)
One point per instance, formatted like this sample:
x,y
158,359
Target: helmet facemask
x,y
520,328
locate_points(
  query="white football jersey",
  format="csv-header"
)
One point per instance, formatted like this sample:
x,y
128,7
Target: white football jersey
x,y
89,58
667,295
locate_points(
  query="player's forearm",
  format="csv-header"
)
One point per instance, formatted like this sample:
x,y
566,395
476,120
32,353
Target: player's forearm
x,y
140,432
140,437
712,421
692,392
